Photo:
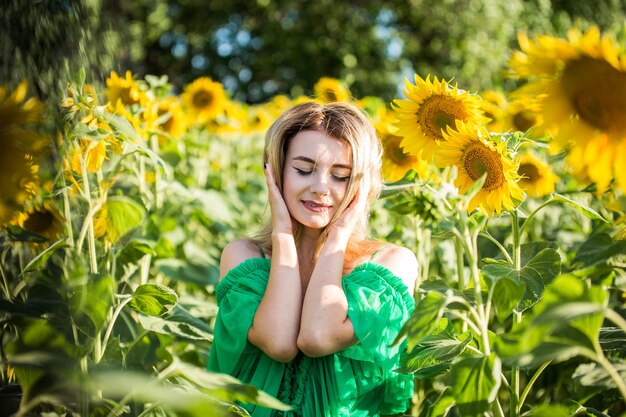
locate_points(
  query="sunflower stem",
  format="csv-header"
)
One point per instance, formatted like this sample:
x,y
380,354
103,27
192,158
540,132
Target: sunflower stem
x,y
158,191
5,284
530,384
91,239
610,369
67,213
109,329
517,317
616,318
487,236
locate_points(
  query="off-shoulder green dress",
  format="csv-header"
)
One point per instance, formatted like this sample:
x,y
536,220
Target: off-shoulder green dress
x,y
358,381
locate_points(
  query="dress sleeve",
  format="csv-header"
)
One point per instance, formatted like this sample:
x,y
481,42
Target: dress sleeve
x,y
238,296
378,306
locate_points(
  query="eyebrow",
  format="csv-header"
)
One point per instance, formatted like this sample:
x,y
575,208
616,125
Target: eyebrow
x,y
309,160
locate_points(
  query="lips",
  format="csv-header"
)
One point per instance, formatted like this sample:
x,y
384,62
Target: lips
x,y
315,206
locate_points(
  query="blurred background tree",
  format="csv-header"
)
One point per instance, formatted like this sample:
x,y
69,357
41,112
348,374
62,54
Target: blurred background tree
x,y
265,47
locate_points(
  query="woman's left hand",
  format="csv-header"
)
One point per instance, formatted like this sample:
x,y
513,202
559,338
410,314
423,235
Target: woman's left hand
x,y
348,220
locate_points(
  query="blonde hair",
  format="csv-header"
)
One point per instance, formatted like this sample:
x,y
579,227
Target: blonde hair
x,y
341,121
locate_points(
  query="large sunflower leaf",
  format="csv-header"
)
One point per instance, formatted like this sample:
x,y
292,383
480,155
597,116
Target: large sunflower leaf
x,y
424,319
153,299
122,215
474,384
433,354
535,275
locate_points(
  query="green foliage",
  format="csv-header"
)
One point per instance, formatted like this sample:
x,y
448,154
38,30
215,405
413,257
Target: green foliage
x,y
262,48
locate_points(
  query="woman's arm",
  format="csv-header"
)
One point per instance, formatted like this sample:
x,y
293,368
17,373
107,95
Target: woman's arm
x,y
277,320
325,327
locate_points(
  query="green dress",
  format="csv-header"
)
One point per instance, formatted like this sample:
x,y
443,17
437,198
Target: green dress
x,y
357,381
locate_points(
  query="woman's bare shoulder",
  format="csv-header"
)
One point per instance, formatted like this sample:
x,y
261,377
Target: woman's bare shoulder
x,y
235,253
401,261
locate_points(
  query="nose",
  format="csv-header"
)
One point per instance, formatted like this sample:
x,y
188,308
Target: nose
x,y
320,185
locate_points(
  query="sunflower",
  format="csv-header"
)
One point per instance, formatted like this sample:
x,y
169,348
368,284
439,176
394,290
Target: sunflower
x,y
167,116
329,90
396,162
124,90
536,177
93,152
581,86
43,219
474,152
517,115
205,99
19,144
430,108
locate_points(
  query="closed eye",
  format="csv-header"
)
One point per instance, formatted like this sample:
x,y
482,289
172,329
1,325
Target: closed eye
x,y
340,178
302,171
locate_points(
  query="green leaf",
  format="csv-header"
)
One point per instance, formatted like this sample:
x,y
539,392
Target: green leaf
x,y
535,275
581,208
551,411
507,293
122,215
20,234
598,249
39,261
153,299
564,324
227,388
442,404
405,183
93,301
136,249
123,126
179,322
474,384
424,319
184,399
183,271
433,354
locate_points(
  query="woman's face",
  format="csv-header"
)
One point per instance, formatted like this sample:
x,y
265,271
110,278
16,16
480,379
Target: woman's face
x,y
315,177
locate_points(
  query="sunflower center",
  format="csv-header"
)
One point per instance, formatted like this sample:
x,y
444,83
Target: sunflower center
x,y
202,99
168,124
437,112
523,121
478,160
393,151
597,91
529,172
329,95
39,221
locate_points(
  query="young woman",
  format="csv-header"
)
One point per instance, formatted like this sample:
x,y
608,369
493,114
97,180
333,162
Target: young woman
x,y
308,310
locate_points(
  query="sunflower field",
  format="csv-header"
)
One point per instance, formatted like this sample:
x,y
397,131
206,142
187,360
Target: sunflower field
x,y
113,216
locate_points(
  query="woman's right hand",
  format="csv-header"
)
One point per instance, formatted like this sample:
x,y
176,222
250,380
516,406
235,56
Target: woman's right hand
x,y
281,219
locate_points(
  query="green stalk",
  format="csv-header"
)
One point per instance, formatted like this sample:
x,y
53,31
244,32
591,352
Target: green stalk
x,y
529,385
517,264
5,285
109,329
68,217
91,239
426,255
471,250
498,244
458,247
608,367
158,191
616,318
